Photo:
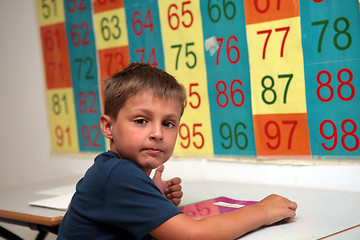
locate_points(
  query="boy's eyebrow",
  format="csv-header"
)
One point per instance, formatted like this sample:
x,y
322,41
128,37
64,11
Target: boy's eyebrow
x,y
143,110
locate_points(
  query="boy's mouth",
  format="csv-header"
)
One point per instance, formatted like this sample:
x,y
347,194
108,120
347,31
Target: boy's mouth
x,y
153,150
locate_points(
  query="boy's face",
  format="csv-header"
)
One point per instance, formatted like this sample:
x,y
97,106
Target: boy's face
x,y
146,129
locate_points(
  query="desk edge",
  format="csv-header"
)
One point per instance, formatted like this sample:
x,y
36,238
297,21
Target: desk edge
x,y
28,218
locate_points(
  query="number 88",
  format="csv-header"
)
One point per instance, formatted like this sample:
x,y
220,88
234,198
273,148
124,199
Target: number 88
x,y
342,83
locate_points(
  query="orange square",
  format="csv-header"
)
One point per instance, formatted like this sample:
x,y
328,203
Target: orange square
x,y
257,11
282,134
56,56
112,60
105,5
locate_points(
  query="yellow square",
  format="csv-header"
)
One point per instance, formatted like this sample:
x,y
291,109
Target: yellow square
x,y
50,12
278,90
63,129
110,29
275,43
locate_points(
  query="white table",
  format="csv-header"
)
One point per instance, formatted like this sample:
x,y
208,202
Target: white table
x,y
348,234
319,214
15,208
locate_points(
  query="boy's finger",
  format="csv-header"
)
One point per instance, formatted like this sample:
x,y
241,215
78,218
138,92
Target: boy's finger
x,y
172,195
158,172
293,206
174,181
173,188
176,201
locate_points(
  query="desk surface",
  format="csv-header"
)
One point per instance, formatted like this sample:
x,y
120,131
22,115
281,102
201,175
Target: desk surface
x,y
14,203
349,234
319,214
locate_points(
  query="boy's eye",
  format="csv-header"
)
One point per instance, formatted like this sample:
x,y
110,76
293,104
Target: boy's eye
x,y
169,124
140,121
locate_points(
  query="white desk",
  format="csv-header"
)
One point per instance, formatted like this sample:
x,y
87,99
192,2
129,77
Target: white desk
x,y
15,208
319,214
348,234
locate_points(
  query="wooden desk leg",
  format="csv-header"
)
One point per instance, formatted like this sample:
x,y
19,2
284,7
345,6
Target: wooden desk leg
x,y
8,235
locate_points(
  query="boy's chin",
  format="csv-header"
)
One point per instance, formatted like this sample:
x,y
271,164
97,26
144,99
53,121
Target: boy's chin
x,y
149,166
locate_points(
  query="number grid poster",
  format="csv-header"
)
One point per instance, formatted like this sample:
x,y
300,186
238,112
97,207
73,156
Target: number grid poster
x,y
264,78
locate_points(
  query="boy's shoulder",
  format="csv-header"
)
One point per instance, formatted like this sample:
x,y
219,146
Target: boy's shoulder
x,y
111,158
110,164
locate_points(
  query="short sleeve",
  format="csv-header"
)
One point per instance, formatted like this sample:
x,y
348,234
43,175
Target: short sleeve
x,y
133,202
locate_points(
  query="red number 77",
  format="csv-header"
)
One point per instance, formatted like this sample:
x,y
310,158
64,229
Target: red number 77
x,y
268,32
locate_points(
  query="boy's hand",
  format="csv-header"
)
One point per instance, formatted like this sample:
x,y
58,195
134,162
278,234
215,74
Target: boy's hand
x,y
171,189
277,208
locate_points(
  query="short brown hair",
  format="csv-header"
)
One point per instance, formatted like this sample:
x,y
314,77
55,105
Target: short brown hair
x,y
137,78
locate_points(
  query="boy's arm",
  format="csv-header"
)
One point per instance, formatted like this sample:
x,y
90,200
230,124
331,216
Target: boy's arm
x,y
231,225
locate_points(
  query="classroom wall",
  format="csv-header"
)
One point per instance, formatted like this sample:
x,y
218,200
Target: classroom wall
x,y
25,143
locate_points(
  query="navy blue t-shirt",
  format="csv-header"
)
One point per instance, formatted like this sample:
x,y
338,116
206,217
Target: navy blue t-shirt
x,y
115,200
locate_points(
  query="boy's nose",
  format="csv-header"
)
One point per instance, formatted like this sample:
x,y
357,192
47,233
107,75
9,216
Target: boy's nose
x,y
156,132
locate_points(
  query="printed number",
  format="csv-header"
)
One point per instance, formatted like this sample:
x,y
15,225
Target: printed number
x,y
188,136
85,62
342,84
232,93
75,7
76,37
60,136
148,23
83,106
86,134
270,89
268,32
47,7
272,131
56,104
199,213
193,93
263,9
187,53
229,136
114,60
56,68
229,10
106,31
152,57
185,14
228,50
52,39
339,32
334,135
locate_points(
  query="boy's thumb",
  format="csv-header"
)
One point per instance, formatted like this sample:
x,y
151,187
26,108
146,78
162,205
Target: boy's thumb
x,y
158,172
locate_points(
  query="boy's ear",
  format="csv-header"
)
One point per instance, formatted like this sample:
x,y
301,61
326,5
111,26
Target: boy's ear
x,y
106,126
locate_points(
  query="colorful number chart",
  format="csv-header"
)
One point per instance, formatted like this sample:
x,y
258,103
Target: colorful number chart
x,y
264,78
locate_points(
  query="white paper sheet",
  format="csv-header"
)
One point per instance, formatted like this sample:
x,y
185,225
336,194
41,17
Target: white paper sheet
x,y
60,202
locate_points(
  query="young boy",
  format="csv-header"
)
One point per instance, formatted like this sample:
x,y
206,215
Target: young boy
x,y
116,199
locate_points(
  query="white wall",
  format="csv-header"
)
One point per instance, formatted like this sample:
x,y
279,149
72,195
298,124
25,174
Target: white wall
x,y
24,138
24,141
